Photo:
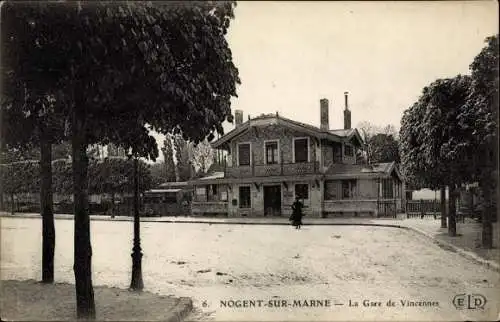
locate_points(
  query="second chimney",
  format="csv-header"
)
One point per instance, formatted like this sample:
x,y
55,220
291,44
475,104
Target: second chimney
x,y
323,116
347,113
238,117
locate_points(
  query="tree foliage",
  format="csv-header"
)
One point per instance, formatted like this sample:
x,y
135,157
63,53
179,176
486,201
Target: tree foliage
x,y
21,177
382,144
183,162
431,142
168,156
202,157
112,175
104,72
158,173
115,176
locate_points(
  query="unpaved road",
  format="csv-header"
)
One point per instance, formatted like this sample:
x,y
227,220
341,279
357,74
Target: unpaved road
x,y
238,272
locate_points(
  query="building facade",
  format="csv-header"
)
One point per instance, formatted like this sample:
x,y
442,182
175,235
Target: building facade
x,y
272,160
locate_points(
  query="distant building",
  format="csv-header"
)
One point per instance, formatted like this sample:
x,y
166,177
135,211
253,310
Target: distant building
x,y
116,151
169,199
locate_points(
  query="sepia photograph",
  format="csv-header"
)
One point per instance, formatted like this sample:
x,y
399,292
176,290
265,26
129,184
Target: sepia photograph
x,y
249,161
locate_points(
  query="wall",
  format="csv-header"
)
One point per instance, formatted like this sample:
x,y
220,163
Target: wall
x,y
331,152
312,206
350,206
367,189
256,197
257,136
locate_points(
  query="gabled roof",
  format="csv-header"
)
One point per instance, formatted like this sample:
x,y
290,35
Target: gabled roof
x,y
363,170
173,185
275,119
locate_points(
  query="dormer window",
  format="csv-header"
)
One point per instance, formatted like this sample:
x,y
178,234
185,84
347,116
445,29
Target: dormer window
x,y
301,150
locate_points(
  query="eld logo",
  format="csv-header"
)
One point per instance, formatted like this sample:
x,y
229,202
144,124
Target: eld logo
x,y
469,301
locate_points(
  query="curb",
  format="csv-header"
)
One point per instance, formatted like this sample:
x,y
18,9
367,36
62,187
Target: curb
x,y
181,310
210,222
466,254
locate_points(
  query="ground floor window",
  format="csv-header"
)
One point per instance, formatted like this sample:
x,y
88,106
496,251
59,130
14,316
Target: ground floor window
x,y
200,193
170,197
212,192
387,189
348,189
331,190
302,191
245,198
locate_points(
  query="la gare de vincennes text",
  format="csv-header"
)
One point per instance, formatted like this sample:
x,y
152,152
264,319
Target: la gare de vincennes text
x,y
281,303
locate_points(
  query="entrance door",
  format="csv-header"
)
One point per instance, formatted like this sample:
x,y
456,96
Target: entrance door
x,y
272,200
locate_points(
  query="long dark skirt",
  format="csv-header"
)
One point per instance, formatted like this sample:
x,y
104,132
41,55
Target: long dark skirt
x,y
296,220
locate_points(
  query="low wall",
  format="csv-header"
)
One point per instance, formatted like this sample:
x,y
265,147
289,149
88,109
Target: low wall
x,y
209,207
350,206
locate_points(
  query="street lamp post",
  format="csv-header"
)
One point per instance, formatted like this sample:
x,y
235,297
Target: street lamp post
x,y
136,283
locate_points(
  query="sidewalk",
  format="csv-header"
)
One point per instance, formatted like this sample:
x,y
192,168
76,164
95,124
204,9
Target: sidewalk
x,y
467,243
34,301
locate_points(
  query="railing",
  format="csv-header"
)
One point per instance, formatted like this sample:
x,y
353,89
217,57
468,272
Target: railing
x,y
421,208
387,208
277,169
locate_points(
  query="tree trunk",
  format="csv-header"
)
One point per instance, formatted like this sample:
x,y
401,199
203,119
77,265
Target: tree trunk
x,y
452,221
487,231
2,205
46,203
443,207
85,305
12,204
113,204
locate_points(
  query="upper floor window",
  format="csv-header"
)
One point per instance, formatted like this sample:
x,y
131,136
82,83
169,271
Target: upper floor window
x,y
271,152
301,149
302,191
348,189
243,153
348,151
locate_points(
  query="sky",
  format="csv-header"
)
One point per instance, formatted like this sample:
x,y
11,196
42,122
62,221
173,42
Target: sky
x,y
292,54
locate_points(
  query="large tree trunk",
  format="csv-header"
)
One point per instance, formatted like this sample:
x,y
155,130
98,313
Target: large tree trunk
x,y
12,209
443,207
112,204
85,305
48,230
2,205
452,208
487,232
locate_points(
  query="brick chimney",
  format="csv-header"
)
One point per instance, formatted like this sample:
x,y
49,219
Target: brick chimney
x,y
323,116
238,117
347,113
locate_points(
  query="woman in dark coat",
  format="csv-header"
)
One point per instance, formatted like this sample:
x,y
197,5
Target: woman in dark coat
x,y
297,214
